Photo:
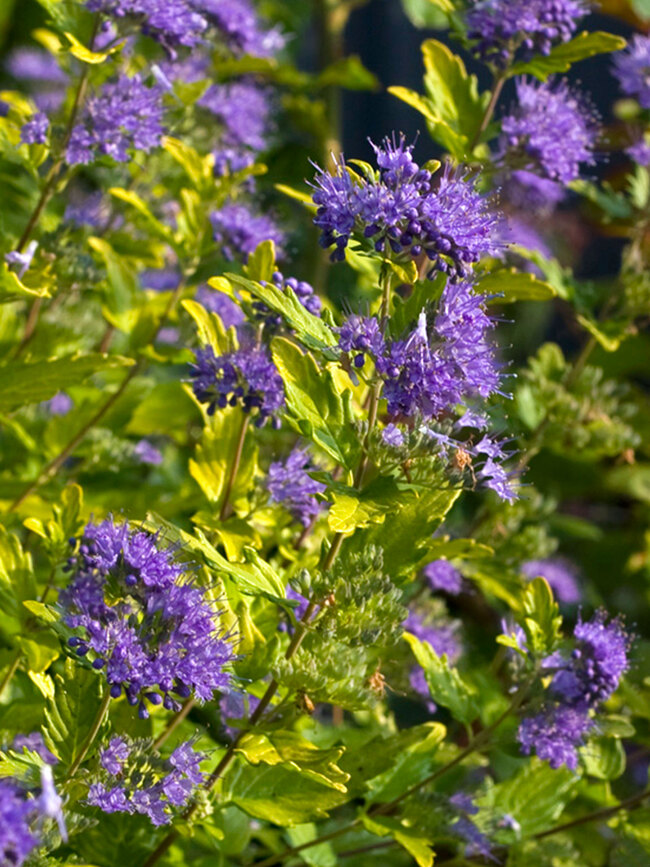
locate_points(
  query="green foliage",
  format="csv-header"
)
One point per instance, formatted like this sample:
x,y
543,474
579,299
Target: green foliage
x,y
562,57
541,618
445,683
71,714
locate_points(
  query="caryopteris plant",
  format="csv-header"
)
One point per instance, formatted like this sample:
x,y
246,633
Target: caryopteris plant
x,y
324,479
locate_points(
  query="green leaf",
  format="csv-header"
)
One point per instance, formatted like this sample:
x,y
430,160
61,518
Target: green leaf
x,y
445,683
124,295
542,620
159,229
315,403
563,56
199,169
428,13
294,751
215,454
40,649
535,796
603,758
12,286
255,577
22,383
348,72
509,285
610,334
633,481
310,329
209,327
410,766
321,855
415,842
297,196
406,311
261,263
351,509
279,795
71,714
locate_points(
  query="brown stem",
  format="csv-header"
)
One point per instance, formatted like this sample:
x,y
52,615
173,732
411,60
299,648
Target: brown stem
x,y
174,723
489,111
226,506
605,813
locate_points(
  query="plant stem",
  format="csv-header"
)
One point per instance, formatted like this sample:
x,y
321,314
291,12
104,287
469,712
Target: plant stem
x,y
49,471
47,192
174,723
605,813
10,671
226,507
497,88
99,719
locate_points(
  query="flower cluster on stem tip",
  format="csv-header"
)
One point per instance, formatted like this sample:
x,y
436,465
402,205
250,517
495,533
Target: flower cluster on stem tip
x,y
134,782
500,29
147,626
580,684
245,377
290,484
402,210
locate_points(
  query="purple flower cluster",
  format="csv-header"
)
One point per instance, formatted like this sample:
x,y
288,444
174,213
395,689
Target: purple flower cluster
x,y
44,75
552,131
361,336
402,210
34,131
145,453
237,705
150,630
290,484
244,108
580,684
444,577
501,28
478,844
90,209
142,791
436,368
170,22
218,302
632,68
124,114
560,574
239,230
16,838
240,25
246,377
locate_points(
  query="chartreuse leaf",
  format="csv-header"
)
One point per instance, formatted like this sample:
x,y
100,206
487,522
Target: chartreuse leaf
x,y
71,714
508,285
12,286
40,649
314,402
261,263
22,383
254,577
123,295
428,13
351,508
215,454
310,329
610,334
279,794
414,841
210,328
17,582
542,620
452,106
445,683
535,796
563,56
405,534
294,751
199,169
79,50
159,229
64,524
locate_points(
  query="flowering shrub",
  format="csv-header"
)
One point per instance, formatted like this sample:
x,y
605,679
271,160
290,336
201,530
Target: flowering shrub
x,y
313,548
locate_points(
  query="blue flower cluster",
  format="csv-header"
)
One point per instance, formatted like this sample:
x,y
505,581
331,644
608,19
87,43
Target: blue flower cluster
x,y
477,843
124,114
444,577
239,229
560,574
580,684
16,838
150,629
551,131
140,790
502,28
245,377
289,483
632,68
401,210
